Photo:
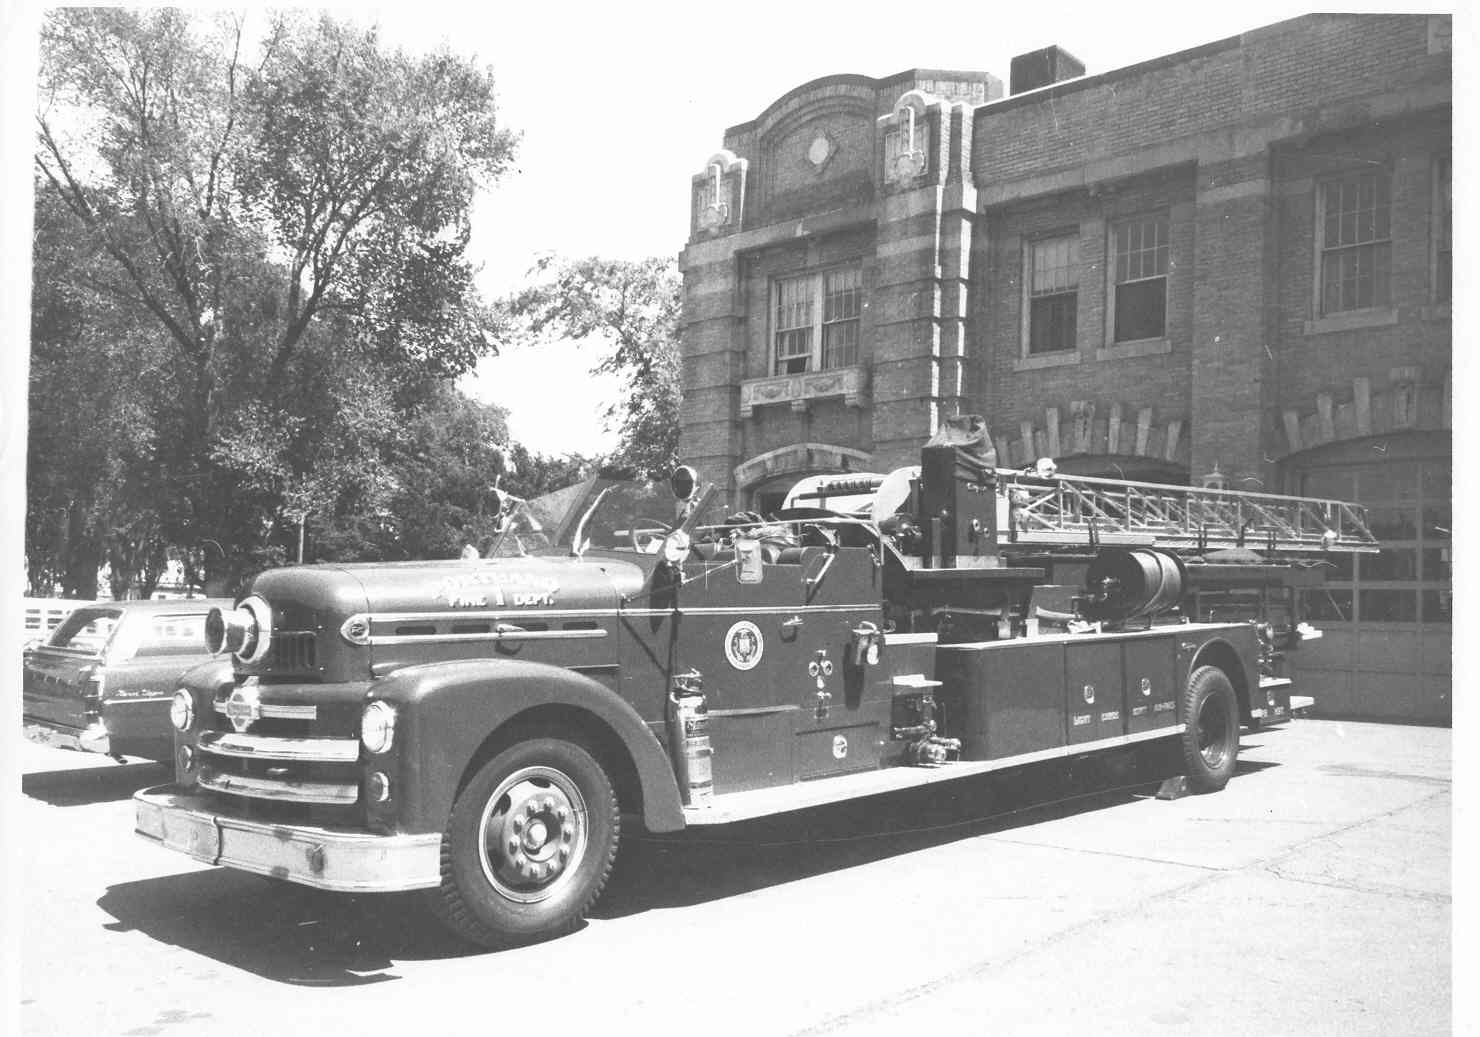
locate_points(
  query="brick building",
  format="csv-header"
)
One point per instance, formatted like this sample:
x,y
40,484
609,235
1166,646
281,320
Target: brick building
x,y
1228,265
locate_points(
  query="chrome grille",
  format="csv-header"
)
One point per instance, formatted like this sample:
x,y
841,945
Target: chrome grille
x,y
285,790
295,651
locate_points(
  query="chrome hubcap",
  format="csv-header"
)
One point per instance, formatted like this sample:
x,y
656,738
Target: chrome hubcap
x,y
1212,732
533,828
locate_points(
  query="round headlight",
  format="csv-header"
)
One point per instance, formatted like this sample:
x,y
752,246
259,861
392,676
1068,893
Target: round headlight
x,y
257,636
182,710
378,726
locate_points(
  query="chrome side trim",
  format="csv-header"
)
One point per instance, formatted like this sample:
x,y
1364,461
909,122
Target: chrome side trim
x,y
515,615
773,610
267,747
333,793
781,799
491,635
279,710
341,859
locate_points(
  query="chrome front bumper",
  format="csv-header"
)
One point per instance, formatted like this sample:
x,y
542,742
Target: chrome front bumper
x,y
344,860
94,739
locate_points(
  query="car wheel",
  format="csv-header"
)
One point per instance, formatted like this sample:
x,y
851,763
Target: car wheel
x,y
529,844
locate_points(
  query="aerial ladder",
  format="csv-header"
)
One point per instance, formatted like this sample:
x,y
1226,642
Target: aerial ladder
x,y
1049,512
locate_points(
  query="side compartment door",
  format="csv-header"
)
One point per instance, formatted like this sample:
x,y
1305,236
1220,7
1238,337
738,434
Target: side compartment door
x,y
842,724
740,638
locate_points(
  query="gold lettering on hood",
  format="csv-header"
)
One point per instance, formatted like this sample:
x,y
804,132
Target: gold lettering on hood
x,y
499,590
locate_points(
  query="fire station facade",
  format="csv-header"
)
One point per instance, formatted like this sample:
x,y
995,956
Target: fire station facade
x,y
1227,266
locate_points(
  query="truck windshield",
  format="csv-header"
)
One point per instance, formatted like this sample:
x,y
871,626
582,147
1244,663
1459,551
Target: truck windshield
x,y
619,515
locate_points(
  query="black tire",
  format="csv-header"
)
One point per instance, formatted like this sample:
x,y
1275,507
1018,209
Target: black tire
x,y
1210,740
528,846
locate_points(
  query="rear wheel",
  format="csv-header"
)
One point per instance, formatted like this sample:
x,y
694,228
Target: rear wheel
x,y
529,844
1210,741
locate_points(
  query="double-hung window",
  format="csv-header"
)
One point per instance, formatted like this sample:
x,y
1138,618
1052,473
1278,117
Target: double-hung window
x,y
816,320
1141,250
1053,294
1355,239
1443,230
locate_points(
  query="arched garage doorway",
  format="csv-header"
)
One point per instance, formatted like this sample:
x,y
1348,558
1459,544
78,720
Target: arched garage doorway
x,y
1385,618
764,479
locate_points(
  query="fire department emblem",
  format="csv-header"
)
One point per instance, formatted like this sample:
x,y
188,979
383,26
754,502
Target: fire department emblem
x,y
243,708
744,645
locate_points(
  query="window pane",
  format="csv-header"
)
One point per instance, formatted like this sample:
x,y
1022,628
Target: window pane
x,y
794,303
1389,606
1391,564
840,344
174,635
1142,248
842,302
1436,606
842,295
1329,605
1140,310
1055,266
1392,523
1443,229
1339,567
1356,252
1435,564
1053,323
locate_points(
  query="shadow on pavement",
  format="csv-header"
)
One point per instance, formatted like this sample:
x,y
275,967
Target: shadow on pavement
x,y
106,783
710,863
281,931
300,936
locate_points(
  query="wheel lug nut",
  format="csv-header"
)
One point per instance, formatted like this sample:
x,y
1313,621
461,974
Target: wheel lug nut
x,y
513,845
567,830
518,825
562,813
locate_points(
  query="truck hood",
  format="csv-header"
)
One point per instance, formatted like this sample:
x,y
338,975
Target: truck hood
x,y
422,611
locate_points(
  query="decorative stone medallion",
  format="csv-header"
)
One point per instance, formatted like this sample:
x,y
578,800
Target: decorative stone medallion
x,y
820,150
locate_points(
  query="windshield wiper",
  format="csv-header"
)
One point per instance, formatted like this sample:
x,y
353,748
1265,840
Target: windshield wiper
x,y
576,549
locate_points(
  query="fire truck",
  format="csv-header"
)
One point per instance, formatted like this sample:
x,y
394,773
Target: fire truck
x,y
630,654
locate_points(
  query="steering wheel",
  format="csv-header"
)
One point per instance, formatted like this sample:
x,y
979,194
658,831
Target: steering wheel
x,y
654,530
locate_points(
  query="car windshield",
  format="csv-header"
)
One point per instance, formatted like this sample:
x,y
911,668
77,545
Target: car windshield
x,y
86,630
600,514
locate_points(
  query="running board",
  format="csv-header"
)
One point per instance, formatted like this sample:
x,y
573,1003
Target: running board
x,y
743,806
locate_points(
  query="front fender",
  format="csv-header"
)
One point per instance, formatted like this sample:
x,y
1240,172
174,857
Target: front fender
x,y
446,711
204,682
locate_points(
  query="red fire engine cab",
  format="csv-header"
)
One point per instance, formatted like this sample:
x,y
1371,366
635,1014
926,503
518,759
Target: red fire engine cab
x,y
481,728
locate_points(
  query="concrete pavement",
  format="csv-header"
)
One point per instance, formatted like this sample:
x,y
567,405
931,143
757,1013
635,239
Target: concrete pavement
x,y
1311,896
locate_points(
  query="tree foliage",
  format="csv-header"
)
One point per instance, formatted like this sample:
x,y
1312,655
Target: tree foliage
x,y
250,268
632,308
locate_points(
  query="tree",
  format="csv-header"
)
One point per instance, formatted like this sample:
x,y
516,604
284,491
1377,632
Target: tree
x,y
439,482
288,217
633,308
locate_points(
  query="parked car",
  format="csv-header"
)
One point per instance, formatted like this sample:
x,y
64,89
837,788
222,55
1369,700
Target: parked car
x,y
103,681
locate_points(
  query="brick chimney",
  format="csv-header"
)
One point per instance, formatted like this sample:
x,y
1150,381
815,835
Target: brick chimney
x,y
1042,67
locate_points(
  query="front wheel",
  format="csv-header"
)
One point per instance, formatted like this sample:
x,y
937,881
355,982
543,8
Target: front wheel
x,y
1210,740
529,844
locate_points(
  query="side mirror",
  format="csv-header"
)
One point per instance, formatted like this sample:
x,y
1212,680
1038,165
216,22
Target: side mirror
x,y
684,481
748,561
